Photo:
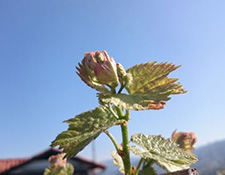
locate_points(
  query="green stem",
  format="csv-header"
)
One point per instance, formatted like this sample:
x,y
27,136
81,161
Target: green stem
x,y
139,166
127,115
126,156
112,139
119,112
121,88
125,137
112,111
113,90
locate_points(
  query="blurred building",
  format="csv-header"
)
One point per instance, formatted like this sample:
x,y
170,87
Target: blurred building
x,y
37,164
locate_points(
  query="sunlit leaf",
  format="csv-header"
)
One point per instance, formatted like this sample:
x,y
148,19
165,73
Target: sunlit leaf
x,y
152,78
134,102
170,167
166,153
83,129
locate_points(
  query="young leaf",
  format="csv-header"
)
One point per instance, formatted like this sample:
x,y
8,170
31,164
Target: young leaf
x,y
152,78
117,160
134,102
67,170
166,153
147,171
83,129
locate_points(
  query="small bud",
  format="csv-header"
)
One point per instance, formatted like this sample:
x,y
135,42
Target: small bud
x,y
121,72
128,79
133,169
57,161
185,140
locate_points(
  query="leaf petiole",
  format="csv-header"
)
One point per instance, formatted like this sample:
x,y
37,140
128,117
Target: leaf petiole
x,y
121,88
112,111
139,166
112,139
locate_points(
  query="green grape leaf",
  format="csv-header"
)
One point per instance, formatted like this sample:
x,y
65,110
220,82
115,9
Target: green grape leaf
x,y
152,78
134,102
147,171
67,170
117,160
171,167
166,153
84,128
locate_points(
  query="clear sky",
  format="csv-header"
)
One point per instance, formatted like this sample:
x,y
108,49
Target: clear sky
x,y
42,41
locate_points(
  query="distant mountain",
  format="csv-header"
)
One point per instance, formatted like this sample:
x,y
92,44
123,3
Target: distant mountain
x,y
211,159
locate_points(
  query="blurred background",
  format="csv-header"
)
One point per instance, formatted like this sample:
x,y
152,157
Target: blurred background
x,y
42,41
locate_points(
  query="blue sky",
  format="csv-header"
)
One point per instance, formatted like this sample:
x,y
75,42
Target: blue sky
x,y
42,41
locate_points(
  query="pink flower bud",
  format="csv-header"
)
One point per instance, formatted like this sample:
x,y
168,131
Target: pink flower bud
x,y
57,161
185,140
98,69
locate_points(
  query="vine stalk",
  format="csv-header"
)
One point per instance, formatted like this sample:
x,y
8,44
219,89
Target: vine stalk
x,y
126,152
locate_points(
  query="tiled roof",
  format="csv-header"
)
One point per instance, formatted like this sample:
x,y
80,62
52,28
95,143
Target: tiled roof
x,y
7,164
10,164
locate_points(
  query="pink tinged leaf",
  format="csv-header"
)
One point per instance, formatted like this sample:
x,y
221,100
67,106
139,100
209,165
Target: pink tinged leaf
x,y
156,106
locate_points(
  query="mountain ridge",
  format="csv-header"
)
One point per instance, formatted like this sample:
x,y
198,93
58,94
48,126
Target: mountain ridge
x,y
211,158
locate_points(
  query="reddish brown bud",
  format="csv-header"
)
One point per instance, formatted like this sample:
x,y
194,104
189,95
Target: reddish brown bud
x,y
185,140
